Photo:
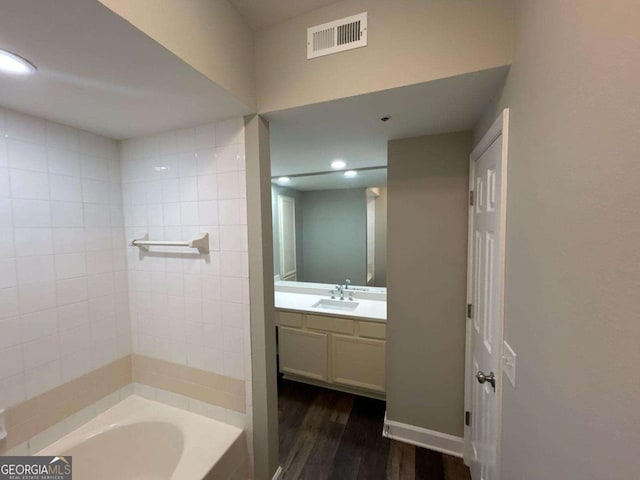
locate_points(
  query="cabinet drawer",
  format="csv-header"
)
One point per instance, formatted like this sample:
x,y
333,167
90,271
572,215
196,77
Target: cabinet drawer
x,y
289,319
373,330
358,362
330,324
303,353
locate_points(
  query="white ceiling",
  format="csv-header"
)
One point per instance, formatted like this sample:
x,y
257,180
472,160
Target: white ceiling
x,y
263,13
99,73
336,180
307,139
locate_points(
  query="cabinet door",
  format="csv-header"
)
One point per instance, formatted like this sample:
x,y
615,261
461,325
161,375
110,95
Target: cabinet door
x,y
303,353
373,330
289,319
358,362
330,324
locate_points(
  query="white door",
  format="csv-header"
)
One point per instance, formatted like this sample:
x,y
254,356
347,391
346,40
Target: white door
x,y
287,237
372,198
488,174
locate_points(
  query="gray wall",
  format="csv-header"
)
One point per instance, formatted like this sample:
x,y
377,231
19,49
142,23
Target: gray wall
x,y
573,249
210,35
380,277
415,40
334,226
426,276
295,194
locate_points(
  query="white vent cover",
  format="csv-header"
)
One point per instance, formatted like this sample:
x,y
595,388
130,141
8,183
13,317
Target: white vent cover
x,y
337,36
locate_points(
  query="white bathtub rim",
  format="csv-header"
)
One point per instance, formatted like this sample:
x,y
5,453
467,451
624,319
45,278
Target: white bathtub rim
x,y
85,437
199,453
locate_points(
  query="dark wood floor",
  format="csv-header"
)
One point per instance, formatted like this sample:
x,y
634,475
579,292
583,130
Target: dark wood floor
x,y
326,434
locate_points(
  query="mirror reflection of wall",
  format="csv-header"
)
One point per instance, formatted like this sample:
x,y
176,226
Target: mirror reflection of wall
x,y
328,229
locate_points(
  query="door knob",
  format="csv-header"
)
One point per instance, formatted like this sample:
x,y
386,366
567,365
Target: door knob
x,y
482,378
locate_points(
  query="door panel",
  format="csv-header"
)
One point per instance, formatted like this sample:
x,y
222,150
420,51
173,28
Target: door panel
x,y
487,277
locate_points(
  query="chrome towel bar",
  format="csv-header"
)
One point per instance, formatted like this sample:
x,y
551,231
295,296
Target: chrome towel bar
x,y
202,243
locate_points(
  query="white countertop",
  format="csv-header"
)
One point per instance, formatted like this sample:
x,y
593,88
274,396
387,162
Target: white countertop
x,y
303,302
306,287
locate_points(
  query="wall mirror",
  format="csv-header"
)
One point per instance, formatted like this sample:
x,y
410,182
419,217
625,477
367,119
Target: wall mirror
x,y
329,227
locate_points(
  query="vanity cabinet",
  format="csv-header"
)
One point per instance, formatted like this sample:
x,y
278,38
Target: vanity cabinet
x,y
342,353
358,362
303,353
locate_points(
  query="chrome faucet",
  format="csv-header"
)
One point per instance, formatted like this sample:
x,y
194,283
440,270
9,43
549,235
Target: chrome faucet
x,y
340,289
347,282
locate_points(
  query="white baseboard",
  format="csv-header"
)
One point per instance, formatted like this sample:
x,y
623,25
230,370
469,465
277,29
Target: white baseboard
x,y
278,474
422,437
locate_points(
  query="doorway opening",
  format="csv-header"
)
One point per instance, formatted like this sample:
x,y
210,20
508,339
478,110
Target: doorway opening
x,y
332,364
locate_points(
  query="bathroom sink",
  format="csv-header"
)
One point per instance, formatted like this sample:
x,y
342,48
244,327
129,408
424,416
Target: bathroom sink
x,y
340,305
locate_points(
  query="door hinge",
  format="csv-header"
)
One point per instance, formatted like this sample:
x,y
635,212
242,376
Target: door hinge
x,y
469,310
467,419
471,197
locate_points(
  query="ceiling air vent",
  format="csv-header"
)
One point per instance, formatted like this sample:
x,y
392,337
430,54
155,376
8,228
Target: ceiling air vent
x,y
337,36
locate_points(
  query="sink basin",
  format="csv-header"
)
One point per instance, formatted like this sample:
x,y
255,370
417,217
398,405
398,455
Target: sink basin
x,y
340,305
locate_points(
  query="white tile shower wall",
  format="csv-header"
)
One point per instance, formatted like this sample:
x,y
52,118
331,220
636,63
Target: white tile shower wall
x,y
63,275
190,308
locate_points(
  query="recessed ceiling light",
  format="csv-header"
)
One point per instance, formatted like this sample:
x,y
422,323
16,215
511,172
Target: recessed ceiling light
x,y
350,173
284,180
338,164
161,168
12,63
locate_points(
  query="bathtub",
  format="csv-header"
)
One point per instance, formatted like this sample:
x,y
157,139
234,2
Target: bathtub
x,y
142,439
